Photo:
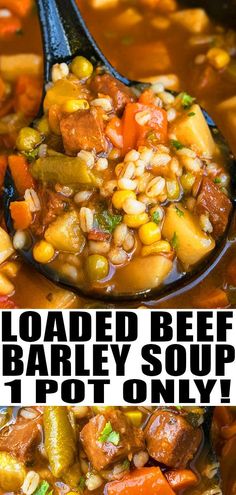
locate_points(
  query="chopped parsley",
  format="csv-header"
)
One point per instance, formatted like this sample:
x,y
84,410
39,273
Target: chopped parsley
x,y
191,114
176,144
109,435
156,217
31,155
179,212
186,100
108,221
174,241
126,464
81,484
217,180
42,488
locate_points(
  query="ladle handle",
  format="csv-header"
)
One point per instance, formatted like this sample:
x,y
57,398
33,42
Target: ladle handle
x,y
65,35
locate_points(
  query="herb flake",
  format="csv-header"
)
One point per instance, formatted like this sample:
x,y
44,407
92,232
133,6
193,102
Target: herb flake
x,y
176,144
42,488
217,180
156,217
186,100
191,114
31,155
174,241
81,484
108,221
109,435
179,212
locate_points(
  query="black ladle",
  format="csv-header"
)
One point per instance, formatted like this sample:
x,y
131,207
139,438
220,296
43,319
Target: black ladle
x,y
65,35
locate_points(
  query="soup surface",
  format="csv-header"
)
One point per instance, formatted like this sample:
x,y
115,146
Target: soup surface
x,y
205,69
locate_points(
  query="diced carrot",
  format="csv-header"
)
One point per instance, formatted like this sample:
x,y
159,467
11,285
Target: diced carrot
x,y
147,97
148,481
222,416
3,167
181,479
20,172
21,214
114,132
217,298
135,134
19,7
8,26
28,93
7,303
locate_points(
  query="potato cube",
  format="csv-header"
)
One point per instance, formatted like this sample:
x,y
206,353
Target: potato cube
x,y
6,248
103,4
191,130
194,20
191,243
65,234
144,273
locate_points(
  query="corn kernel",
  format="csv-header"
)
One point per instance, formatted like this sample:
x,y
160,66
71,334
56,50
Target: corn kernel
x,y
81,67
149,233
43,251
71,106
187,181
119,198
135,417
135,221
218,57
156,247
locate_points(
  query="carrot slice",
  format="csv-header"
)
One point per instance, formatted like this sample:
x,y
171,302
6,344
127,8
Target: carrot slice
x,y
3,167
8,26
21,214
147,97
134,134
19,7
20,173
114,132
180,479
148,481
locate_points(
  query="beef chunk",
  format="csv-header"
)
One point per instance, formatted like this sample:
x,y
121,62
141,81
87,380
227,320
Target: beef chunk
x,y
103,454
213,201
118,92
21,439
170,439
83,130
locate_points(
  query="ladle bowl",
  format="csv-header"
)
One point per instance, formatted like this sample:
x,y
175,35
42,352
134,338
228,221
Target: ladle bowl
x,y
66,35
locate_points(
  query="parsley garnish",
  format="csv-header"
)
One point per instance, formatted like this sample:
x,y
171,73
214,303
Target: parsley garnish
x,y
217,180
186,100
108,435
191,114
156,217
31,155
176,144
126,464
107,221
179,212
81,483
42,488
174,241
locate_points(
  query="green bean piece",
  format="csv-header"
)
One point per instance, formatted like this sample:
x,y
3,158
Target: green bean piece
x,y
73,476
64,170
12,473
59,439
